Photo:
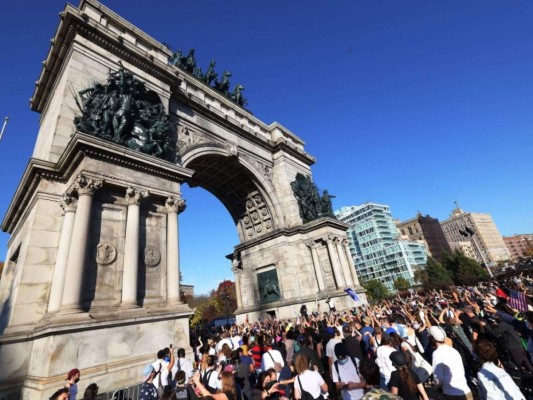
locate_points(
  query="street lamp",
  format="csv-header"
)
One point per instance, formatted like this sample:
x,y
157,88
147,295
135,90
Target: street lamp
x,y
225,296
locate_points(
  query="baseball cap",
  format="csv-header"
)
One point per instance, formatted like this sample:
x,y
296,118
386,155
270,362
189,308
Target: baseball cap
x,y
398,359
437,333
147,371
340,351
390,331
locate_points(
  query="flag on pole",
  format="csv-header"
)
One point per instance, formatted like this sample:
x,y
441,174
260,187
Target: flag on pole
x,y
352,294
517,300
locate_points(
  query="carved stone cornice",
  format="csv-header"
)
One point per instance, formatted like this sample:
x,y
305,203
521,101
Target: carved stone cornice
x,y
134,196
86,185
175,204
72,24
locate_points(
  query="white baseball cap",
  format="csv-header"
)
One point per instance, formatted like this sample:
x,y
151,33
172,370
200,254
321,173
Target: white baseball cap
x,y
437,333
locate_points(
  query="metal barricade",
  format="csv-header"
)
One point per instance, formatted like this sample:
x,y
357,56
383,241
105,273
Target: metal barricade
x,y
125,393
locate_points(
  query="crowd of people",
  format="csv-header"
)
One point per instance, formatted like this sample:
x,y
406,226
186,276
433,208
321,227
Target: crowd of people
x,y
460,343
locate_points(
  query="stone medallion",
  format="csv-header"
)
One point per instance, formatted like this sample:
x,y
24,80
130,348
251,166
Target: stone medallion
x,y
105,253
151,256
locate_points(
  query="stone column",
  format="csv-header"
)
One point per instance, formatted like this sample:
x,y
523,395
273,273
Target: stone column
x,y
344,263
173,205
351,265
316,265
130,273
237,270
334,258
85,186
60,268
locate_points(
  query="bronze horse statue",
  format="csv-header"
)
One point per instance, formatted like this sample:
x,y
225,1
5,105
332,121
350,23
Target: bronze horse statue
x,y
210,74
270,288
237,96
224,84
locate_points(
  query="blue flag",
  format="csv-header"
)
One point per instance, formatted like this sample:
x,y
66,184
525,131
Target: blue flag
x,y
352,294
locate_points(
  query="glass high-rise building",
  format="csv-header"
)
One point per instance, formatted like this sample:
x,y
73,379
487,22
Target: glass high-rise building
x,y
375,245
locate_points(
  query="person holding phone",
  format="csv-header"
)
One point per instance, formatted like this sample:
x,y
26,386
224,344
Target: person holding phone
x,y
345,374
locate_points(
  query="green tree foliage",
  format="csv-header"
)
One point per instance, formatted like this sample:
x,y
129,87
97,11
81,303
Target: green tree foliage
x,y
434,276
401,284
376,290
464,270
209,307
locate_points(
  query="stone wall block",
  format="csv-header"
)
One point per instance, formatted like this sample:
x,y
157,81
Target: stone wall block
x,y
27,313
15,360
44,238
48,222
40,255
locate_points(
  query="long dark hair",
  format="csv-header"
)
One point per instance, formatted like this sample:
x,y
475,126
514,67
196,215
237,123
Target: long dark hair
x,y
407,377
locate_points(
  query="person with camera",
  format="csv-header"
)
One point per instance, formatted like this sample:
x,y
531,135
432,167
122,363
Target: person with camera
x,y
227,389
345,374
266,388
163,364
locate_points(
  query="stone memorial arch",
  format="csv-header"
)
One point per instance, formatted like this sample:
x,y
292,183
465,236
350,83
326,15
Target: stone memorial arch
x,y
91,278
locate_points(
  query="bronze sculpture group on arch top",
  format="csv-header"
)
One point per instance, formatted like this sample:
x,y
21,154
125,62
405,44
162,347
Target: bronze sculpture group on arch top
x,y
188,64
124,111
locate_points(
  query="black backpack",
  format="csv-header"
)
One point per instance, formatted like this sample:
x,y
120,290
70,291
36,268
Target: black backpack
x,y
205,381
306,395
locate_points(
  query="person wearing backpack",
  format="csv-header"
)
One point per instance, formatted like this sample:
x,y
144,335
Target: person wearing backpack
x,y
272,358
181,389
308,384
163,364
182,364
148,390
209,377
345,374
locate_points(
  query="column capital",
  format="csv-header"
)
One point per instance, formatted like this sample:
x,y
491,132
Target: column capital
x,y
68,204
311,244
175,204
236,267
134,196
329,238
85,185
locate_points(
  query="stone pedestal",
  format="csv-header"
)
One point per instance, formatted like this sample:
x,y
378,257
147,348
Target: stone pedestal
x,y
305,264
80,295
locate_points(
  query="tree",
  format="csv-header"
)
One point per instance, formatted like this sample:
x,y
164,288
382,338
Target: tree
x,y
401,284
434,276
376,290
464,270
212,306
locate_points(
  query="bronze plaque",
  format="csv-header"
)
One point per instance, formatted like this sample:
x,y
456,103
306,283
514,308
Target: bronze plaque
x,y
268,286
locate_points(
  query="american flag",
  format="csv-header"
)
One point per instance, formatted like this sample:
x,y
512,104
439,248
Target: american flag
x,y
517,300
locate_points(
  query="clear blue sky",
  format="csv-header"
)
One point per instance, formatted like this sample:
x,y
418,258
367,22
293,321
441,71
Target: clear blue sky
x,y
410,103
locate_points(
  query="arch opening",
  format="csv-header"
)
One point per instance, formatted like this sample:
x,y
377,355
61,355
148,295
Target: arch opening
x,y
238,190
